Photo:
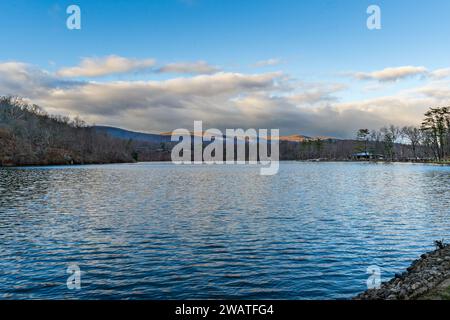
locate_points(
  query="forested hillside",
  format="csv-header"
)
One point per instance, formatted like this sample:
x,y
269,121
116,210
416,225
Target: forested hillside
x,y
29,136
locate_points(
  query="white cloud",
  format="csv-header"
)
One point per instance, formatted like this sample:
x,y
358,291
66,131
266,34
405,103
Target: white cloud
x,y
437,91
198,67
315,93
97,67
391,74
440,73
17,78
267,63
222,100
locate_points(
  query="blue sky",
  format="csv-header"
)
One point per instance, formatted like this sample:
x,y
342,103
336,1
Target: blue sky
x,y
316,45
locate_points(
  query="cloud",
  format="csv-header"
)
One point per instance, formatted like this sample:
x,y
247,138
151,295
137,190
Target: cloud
x,y
222,100
17,78
440,73
437,91
97,67
199,67
267,63
392,74
316,93
97,99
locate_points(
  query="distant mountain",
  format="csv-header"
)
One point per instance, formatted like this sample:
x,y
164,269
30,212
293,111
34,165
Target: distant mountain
x,y
302,138
132,135
296,138
165,136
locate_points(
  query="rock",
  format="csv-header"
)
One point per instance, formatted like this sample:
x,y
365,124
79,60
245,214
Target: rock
x,y
420,277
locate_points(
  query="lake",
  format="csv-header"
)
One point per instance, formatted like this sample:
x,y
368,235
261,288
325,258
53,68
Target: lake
x,y
161,231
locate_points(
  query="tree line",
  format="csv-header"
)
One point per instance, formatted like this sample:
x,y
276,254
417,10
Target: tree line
x,y
428,142
30,136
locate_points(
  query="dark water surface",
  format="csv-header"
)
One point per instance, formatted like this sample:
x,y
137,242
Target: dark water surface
x,y
160,231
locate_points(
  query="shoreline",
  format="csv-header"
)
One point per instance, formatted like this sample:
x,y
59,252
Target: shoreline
x,y
428,278
287,160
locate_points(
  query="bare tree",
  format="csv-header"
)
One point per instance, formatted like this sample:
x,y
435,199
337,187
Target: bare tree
x,y
414,135
437,125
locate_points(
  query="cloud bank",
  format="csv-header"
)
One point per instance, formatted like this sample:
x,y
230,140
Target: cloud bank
x,y
199,67
392,74
97,67
222,100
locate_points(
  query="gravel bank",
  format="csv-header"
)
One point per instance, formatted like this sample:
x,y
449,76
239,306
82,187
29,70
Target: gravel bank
x,y
423,276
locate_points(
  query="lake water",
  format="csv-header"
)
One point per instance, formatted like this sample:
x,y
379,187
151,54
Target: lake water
x,y
160,231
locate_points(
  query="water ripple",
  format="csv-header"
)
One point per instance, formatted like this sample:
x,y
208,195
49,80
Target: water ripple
x,y
159,231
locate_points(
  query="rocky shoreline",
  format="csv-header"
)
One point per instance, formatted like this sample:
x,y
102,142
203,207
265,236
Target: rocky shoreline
x,y
424,276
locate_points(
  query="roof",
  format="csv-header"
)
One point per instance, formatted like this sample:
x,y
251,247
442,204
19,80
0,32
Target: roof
x,y
363,154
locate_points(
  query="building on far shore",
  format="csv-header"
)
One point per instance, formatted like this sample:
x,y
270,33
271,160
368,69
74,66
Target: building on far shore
x,y
367,156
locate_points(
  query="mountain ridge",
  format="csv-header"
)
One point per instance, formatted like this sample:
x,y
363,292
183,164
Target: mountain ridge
x,y
166,136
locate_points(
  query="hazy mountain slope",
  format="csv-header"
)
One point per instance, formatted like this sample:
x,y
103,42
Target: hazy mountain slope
x,y
132,135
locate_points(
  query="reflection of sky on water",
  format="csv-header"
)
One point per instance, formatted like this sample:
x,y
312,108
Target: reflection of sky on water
x,y
164,231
